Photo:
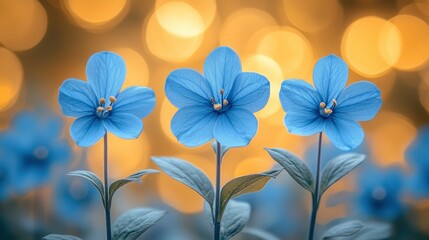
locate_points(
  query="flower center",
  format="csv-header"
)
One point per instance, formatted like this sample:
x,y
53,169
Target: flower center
x,y
379,193
220,107
102,110
41,153
326,110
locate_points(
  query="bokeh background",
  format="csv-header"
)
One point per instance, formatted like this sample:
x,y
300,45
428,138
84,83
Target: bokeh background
x,y
42,43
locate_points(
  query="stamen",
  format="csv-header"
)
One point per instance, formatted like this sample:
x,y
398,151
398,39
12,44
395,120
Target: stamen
x,y
221,91
100,109
217,106
225,102
109,108
334,103
212,100
327,110
112,99
102,101
322,105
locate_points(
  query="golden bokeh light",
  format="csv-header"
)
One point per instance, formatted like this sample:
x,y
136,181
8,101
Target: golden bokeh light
x,y
11,76
424,90
253,165
270,69
312,15
423,6
166,45
125,156
371,45
96,14
167,112
137,69
22,24
180,18
206,10
389,136
288,47
241,25
415,42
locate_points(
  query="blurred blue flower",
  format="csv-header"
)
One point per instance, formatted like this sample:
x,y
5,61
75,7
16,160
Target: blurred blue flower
x,y
418,156
330,107
5,176
379,192
33,147
73,200
98,104
219,104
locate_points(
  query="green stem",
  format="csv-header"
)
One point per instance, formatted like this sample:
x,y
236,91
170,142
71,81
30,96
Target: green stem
x,y
217,198
106,192
315,195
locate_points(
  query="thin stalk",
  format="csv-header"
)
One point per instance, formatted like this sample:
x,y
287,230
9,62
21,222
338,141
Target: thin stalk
x,y
315,195
106,192
217,197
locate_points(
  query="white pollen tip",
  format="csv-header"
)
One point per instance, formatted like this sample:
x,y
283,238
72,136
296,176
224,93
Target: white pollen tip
x,y
109,108
112,99
217,106
100,109
102,101
327,110
225,102
322,105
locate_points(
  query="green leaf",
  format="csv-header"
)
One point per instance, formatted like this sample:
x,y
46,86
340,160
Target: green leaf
x,y
187,174
236,216
223,149
296,167
136,177
343,229
259,233
245,184
59,237
338,168
208,213
374,231
90,176
133,223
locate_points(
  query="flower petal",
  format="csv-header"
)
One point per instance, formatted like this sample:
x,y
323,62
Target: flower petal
x,y
344,134
87,130
250,91
77,98
298,95
330,77
106,74
235,128
221,68
139,101
193,125
124,125
304,123
187,87
360,102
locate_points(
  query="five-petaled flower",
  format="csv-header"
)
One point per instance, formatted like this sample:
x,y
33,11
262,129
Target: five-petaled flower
x,y
219,104
330,107
98,104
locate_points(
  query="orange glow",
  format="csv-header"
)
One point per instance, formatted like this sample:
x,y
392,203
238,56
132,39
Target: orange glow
x,y
11,76
424,90
137,70
241,25
312,15
415,42
167,112
22,24
371,45
253,165
125,156
389,136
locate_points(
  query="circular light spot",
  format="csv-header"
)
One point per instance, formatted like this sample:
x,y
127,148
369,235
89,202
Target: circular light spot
x,y
167,112
371,45
22,24
415,42
241,25
125,156
389,136
286,46
424,93
11,75
311,15
96,14
180,19
167,46
253,165
423,6
137,69
271,70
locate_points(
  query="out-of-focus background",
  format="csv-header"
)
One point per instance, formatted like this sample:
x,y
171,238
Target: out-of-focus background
x,y
42,43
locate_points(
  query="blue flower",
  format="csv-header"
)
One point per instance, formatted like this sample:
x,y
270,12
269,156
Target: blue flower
x,y
5,177
379,196
417,155
73,200
330,107
98,104
33,147
219,104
